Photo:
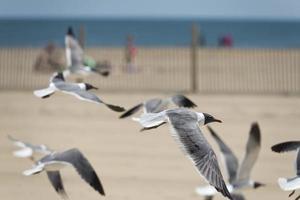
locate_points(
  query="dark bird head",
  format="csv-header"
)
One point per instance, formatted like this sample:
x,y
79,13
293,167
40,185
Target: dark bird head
x,y
70,32
59,76
209,118
90,87
258,184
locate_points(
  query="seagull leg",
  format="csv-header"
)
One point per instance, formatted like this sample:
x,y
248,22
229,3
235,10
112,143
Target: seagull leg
x,y
298,197
291,194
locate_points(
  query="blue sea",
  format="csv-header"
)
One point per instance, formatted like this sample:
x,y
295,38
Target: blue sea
x,y
150,32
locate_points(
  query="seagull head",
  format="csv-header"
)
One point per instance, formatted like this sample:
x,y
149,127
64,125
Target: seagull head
x,y
258,184
70,32
209,118
90,87
58,75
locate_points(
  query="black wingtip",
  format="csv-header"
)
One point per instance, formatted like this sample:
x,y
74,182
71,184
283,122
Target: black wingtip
x,y
183,101
255,131
70,32
131,111
115,108
286,146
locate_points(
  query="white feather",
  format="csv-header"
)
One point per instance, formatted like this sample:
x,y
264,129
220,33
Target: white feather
x,y
44,92
37,168
23,153
288,185
152,119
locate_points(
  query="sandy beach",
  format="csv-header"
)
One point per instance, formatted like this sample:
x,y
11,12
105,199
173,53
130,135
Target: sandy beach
x,y
134,165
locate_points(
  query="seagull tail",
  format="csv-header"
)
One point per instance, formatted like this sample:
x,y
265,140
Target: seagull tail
x,y
37,169
206,190
23,153
44,93
149,120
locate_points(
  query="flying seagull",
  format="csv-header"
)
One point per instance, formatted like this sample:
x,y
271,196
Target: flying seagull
x,y
290,184
158,105
29,151
75,60
79,90
72,157
185,129
238,175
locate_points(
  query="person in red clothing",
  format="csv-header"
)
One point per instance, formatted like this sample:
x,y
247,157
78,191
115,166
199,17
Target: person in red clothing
x,y
130,54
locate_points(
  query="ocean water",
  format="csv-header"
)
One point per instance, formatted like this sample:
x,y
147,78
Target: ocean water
x,y
113,32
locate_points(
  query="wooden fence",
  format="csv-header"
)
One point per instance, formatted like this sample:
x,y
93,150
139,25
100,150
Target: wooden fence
x,y
219,70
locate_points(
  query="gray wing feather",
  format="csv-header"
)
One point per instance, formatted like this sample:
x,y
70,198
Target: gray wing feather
x,y
67,87
237,196
82,166
183,101
153,105
251,155
189,136
76,52
56,181
231,160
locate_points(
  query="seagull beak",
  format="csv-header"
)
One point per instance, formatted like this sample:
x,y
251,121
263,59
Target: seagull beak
x,y
217,120
95,88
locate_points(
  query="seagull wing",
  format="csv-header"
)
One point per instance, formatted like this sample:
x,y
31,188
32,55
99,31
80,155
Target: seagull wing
x,y
56,181
82,166
88,96
298,163
131,111
286,146
251,155
153,106
289,146
183,101
74,52
44,93
231,160
238,196
189,136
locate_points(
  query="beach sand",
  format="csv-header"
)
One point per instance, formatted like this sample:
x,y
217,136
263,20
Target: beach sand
x,y
134,165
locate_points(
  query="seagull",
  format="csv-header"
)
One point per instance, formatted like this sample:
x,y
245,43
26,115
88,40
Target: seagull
x,y
75,60
29,151
158,105
238,175
185,129
73,157
290,184
79,90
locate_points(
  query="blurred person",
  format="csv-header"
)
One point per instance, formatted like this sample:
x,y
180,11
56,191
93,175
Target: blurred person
x,y
49,59
130,54
226,41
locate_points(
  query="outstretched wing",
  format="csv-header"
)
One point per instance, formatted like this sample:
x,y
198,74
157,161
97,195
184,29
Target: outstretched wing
x,y
131,111
56,181
82,166
74,52
231,160
286,146
183,101
44,93
251,155
188,135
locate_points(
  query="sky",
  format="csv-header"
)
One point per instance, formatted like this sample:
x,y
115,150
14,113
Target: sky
x,y
244,9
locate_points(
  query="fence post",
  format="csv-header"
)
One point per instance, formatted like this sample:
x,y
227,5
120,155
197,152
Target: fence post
x,y
82,36
194,58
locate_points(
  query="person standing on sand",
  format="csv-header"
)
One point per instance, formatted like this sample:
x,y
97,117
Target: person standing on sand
x,y
130,54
